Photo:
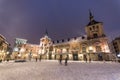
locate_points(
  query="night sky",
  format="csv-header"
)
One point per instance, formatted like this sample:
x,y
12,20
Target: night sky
x,y
63,19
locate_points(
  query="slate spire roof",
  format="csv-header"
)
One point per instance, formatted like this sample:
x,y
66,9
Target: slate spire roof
x,y
91,18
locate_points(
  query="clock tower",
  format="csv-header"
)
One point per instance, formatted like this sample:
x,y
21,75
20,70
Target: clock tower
x,y
94,29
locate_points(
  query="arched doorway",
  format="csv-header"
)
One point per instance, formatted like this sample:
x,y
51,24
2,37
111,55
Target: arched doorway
x,y
75,55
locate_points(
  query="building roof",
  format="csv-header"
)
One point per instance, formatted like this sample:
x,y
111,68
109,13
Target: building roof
x,y
2,36
117,38
78,39
92,21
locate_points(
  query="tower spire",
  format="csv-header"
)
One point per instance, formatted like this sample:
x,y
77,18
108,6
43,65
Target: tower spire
x,y
91,17
46,32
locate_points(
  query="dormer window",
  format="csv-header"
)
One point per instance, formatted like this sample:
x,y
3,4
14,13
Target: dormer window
x,y
68,39
97,27
75,38
57,41
90,28
83,37
62,40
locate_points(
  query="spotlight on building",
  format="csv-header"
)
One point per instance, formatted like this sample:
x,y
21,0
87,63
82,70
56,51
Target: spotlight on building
x,y
16,49
8,53
118,55
22,50
90,48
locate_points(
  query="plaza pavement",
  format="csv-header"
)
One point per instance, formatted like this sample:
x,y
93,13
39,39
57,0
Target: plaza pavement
x,y
52,70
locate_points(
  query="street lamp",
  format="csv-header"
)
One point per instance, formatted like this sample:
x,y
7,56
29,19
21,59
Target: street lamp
x,y
118,55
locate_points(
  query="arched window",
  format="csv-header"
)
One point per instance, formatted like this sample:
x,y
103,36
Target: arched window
x,y
90,28
98,49
83,49
97,27
93,27
95,35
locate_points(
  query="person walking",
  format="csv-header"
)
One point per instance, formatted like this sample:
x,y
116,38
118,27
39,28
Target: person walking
x,y
85,58
66,59
40,58
30,56
36,59
60,59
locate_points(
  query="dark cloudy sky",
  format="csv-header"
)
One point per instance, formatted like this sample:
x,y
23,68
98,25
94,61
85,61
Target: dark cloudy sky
x,y
63,19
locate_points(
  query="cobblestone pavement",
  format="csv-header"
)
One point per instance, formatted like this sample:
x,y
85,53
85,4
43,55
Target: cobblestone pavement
x,y
52,70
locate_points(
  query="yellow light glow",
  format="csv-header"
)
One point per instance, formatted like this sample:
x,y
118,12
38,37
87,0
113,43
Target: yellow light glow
x,y
70,55
35,55
19,55
58,51
106,48
80,55
53,56
64,51
90,48
22,50
7,52
26,55
2,50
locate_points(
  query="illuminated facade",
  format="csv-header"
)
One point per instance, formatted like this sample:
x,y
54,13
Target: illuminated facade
x,y
45,47
19,48
93,45
116,45
23,50
3,47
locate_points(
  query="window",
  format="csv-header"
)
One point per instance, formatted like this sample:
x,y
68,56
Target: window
x,y
83,49
83,37
90,28
68,39
95,35
67,49
75,38
57,41
97,27
98,49
62,40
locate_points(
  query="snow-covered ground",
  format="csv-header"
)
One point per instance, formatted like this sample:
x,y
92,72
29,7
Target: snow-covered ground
x,y
52,70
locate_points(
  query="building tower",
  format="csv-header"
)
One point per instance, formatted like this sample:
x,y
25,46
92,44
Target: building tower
x,y
94,29
45,43
98,44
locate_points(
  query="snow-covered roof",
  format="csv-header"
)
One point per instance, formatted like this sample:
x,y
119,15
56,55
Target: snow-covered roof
x,y
78,39
2,36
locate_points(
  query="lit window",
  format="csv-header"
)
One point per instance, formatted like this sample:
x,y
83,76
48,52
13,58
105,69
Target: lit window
x,y
98,49
83,49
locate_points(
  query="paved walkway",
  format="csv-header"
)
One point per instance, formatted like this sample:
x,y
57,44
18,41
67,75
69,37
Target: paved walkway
x,y
52,70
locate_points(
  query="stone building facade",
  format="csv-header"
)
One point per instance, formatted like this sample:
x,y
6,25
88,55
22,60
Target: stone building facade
x,y
4,45
116,46
91,46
